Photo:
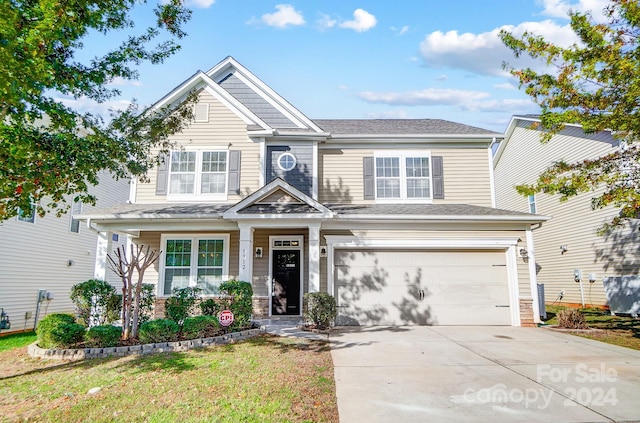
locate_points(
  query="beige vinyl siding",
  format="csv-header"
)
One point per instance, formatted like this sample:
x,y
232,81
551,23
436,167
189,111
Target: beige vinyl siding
x,y
224,130
153,240
35,257
466,175
467,178
340,175
573,223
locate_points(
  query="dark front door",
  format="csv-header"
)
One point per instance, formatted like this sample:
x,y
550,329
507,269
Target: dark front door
x,y
285,292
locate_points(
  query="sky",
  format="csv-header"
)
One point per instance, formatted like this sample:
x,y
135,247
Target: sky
x,y
360,59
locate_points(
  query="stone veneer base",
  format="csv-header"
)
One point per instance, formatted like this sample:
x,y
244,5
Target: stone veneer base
x,y
86,353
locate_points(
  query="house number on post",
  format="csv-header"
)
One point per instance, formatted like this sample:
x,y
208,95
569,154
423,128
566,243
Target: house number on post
x,y
225,318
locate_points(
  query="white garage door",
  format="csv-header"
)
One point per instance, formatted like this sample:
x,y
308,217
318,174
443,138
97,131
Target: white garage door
x,y
442,287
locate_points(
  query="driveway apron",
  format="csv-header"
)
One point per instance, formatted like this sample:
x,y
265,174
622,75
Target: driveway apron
x,y
481,374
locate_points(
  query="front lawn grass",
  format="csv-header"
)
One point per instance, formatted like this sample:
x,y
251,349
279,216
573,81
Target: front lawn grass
x,y
265,379
617,330
17,340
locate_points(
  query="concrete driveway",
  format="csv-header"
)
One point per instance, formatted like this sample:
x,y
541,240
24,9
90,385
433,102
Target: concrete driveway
x,y
492,374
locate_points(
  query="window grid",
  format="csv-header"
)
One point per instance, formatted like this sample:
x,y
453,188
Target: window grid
x,y
403,177
28,218
198,172
75,223
196,262
532,204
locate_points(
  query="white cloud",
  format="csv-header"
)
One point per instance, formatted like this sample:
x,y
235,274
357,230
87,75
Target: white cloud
x,y
202,4
484,53
510,105
343,87
442,77
561,8
284,17
468,101
505,86
426,97
325,22
362,21
391,114
87,105
400,31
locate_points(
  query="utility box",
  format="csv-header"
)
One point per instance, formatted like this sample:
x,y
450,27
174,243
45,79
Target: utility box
x,y
623,294
541,302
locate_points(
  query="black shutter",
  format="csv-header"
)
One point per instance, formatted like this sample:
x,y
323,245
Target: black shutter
x,y
368,177
162,176
234,172
438,177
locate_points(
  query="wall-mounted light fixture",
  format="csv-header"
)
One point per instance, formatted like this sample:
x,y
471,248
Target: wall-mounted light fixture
x,y
524,254
258,252
563,249
71,263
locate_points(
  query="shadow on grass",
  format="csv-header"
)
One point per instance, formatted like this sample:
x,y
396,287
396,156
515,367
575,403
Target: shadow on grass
x,y
282,343
175,362
598,318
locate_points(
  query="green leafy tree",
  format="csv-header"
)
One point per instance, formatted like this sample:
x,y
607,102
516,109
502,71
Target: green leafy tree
x,y
50,153
594,83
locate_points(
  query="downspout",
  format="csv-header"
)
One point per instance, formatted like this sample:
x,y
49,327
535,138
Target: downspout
x,y
491,175
533,277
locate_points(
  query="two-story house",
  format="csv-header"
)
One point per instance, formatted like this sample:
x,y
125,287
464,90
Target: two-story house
x,y
395,218
576,265
41,258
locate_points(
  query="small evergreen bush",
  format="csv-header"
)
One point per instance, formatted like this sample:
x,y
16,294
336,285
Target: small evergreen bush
x,y
211,307
570,318
158,330
181,304
319,309
103,336
59,330
96,302
200,327
239,295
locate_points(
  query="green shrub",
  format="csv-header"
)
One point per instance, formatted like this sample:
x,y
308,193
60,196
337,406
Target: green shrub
x,y
181,304
239,295
59,330
96,302
158,330
103,336
570,318
211,306
200,327
319,309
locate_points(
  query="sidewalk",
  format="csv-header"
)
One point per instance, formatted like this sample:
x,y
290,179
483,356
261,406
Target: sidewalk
x,y
291,327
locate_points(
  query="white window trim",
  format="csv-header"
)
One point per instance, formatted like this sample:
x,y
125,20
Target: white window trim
x,y
531,201
76,208
32,220
194,238
402,156
198,177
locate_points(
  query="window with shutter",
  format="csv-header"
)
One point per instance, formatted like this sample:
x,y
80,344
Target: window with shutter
x,y
395,176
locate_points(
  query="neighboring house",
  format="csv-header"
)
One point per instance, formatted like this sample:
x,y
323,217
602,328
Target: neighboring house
x,y
42,258
568,242
395,218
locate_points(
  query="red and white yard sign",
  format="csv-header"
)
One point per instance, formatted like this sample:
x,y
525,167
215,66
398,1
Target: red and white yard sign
x,y
225,318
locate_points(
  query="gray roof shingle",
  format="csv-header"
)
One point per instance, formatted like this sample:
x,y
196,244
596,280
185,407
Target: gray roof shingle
x,y
398,126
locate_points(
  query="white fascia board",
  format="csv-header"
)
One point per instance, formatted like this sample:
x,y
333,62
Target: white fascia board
x,y
344,242
133,226
268,94
444,218
475,138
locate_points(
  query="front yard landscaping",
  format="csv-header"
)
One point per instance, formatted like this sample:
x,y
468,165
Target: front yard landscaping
x,y
616,330
267,379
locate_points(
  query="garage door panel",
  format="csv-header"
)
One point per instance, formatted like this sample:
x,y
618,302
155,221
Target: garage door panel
x,y
422,287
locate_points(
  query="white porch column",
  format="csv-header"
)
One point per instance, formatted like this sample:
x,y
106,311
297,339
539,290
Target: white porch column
x,y
245,272
103,243
314,257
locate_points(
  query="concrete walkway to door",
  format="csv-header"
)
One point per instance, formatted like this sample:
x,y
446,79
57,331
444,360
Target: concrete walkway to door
x,y
481,374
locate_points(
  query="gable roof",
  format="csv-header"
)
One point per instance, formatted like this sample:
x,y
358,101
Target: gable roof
x,y
253,204
526,121
399,127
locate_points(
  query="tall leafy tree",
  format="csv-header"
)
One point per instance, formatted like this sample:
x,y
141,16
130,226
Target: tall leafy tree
x,y
50,153
594,83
